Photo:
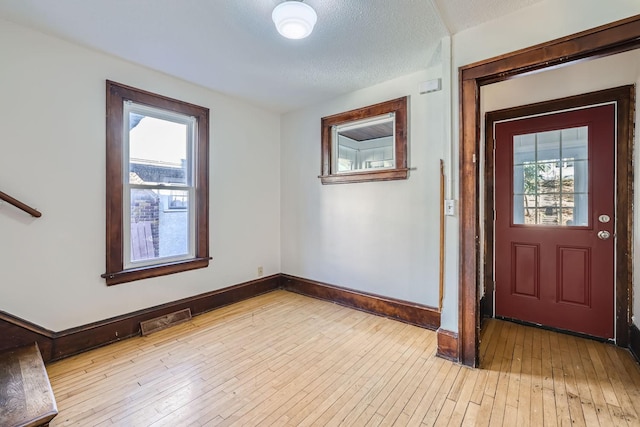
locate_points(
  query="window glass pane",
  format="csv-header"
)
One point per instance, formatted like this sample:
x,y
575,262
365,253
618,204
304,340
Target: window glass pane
x,y
580,213
574,143
157,229
346,158
524,209
174,223
549,209
547,145
550,178
568,210
524,148
547,216
157,151
568,176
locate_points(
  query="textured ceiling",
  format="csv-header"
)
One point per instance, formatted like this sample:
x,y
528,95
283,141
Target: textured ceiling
x,y
459,15
231,46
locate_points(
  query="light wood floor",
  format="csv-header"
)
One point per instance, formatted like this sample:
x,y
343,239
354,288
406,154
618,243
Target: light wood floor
x,y
285,359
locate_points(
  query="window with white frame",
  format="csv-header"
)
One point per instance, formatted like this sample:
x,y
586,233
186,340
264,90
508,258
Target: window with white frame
x,y
157,185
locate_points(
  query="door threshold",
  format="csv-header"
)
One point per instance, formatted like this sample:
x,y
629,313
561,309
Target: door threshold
x,y
559,330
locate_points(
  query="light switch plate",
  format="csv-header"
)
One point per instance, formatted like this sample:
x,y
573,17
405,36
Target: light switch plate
x,y
450,207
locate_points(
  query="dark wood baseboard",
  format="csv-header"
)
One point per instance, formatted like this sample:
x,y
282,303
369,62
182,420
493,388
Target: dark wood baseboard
x,y
634,341
448,345
16,332
415,314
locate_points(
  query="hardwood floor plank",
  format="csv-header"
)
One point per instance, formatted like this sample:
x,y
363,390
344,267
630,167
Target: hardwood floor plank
x,y
386,350
581,382
550,416
599,402
513,387
423,389
238,410
623,387
510,416
493,359
504,370
357,380
287,360
524,391
573,394
440,398
561,401
312,408
379,393
471,416
391,390
484,414
478,390
601,373
429,395
430,364
536,397
463,402
444,415
457,386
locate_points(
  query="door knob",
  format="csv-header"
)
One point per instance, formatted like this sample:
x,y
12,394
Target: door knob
x,y
604,235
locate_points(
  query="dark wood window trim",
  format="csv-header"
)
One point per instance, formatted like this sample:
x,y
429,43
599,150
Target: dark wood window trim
x,y
115,273
605,40
401,171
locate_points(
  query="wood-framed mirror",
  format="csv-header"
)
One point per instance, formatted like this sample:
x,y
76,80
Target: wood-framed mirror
x,y
366,144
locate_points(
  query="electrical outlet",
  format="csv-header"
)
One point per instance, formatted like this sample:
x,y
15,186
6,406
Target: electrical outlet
x,y
260,271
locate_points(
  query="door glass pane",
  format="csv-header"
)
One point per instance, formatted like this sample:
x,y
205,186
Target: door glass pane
x,y
550,178
568,209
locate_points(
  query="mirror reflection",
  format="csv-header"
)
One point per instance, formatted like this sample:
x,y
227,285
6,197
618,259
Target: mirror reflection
x,y
365,144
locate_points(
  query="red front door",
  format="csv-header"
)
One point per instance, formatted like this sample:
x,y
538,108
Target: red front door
x,y
554,222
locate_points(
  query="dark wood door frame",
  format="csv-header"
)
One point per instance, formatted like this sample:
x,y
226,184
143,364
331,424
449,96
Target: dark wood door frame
x,y
617,37
623,97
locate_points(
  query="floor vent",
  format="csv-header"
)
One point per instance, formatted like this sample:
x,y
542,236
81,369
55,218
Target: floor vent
x,y
163,322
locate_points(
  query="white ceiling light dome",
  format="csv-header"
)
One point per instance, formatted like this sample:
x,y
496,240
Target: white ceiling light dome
x,y
294,19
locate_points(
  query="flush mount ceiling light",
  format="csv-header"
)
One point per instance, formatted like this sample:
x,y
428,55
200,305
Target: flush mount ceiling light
x,y
294,19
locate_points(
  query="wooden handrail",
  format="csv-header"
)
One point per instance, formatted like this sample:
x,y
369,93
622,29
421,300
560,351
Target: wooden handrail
x,y
18,204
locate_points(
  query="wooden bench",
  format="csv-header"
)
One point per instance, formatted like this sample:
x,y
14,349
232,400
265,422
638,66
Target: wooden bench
x,y
26,398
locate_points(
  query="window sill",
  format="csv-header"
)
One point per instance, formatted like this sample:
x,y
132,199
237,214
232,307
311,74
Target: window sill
x,y
383,175
130,275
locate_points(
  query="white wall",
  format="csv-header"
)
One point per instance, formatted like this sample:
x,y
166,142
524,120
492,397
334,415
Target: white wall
x,y
52,156
378,237
541,22
574,80
340,234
